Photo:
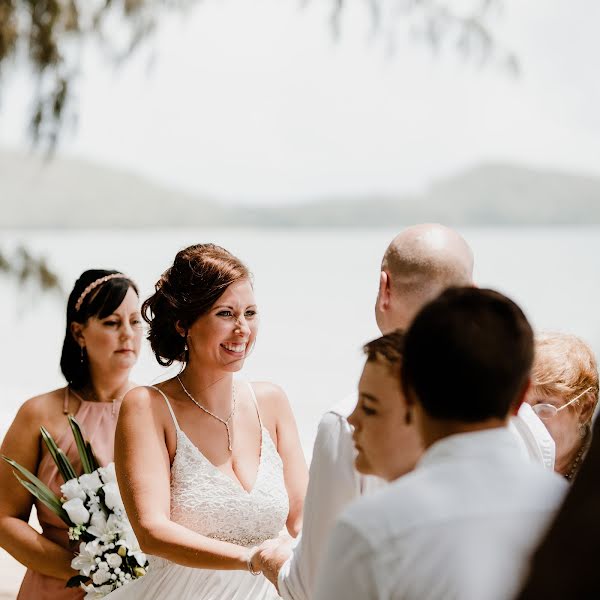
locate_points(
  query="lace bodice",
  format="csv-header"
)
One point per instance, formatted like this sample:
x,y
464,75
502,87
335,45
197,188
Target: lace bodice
x,y
206,500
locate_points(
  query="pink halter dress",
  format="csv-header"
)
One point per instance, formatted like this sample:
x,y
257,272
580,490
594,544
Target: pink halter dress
x,y
98,421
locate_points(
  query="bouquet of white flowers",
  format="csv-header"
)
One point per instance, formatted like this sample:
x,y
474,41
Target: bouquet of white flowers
x,y
109,554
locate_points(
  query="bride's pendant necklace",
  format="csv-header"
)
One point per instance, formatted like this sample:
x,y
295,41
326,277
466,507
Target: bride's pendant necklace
x,y
224,421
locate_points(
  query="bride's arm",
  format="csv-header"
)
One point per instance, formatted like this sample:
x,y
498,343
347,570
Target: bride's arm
x,y
143,472
275,406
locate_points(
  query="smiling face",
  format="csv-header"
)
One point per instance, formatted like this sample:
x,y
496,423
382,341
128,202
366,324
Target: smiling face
x,y
386,446
223,337
113,342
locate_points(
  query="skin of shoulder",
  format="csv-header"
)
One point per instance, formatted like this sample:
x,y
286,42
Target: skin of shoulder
x,y
273,403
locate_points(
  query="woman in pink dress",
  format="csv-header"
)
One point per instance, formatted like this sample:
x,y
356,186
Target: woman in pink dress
x,y
101,345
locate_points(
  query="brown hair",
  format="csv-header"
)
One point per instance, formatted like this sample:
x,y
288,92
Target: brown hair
x,y
185,292
564,366
387,348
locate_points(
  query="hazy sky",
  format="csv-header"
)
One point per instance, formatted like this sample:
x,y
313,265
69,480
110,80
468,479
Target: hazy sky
x,y
256,101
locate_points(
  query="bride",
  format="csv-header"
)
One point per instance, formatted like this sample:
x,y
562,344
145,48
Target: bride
x,y
208,467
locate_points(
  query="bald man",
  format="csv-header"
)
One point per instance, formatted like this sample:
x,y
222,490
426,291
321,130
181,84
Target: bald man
x,y
419,263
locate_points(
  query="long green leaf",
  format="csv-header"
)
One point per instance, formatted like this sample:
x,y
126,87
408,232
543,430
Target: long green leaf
x,y
92,457
65,468
81,445
55,507
37,482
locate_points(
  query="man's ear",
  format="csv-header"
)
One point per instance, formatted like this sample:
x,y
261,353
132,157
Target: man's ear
x,y
521,398
77,333
384,294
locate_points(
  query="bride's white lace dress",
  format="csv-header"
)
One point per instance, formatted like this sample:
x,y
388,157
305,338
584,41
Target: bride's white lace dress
x,y
209,502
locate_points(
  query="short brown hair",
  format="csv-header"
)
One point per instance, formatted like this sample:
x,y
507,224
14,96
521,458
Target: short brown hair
x,y
565,366
388,348
186,291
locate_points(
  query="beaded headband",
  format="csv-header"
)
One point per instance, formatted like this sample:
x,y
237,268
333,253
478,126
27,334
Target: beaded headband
x,y
95,284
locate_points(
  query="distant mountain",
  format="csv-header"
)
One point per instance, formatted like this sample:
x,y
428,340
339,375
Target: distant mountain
x,y
73,194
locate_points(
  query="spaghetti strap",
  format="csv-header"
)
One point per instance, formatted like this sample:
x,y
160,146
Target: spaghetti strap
x,y
168,405
255,404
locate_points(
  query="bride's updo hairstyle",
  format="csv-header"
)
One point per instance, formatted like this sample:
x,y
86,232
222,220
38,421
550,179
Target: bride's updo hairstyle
x,y
185,292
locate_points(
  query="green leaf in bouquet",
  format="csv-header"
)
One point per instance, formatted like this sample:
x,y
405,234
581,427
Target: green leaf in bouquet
x,y
93,460
52,502
88,460
39,489
65,468
77,580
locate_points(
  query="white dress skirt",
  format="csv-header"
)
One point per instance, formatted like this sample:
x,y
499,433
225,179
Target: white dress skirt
x,y
209,502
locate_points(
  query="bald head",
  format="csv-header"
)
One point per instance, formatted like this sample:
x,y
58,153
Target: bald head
x,y
420,263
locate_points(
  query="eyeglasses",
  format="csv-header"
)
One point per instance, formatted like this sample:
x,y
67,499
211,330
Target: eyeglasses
x,y
548,411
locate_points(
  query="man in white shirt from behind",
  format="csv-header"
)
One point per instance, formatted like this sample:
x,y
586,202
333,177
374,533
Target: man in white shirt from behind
x,y
419,263
463,524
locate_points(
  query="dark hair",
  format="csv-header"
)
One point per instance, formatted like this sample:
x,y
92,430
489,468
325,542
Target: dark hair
x,y
389,347
199,276
467,355
100,302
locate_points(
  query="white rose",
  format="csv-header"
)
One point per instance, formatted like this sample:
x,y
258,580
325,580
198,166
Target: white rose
x,y
90,482
108,473
72,489
76,510
112,497
113,560
100,576
98,520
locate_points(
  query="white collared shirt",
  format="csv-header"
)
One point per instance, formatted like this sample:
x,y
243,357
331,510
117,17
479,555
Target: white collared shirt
x,y
461,526
334,483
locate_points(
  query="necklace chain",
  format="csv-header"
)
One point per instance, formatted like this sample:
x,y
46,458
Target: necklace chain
x,y
224,421
575,463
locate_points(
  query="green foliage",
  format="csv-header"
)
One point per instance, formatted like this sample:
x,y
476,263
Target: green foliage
x,y
88,459
39,489
50,34
26,268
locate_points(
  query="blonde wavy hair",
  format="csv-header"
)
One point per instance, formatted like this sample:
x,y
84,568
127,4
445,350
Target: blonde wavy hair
x,y
565,366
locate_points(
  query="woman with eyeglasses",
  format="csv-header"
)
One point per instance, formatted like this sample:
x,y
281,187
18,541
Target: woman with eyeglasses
x,y
564,394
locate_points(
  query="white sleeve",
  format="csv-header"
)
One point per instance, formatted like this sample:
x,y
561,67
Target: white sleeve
x,y
333,483
346,572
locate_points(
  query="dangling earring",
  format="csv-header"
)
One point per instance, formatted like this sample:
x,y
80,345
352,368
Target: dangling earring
x,y
81,356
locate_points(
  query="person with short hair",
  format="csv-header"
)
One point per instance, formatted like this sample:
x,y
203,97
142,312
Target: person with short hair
x,y
102,341
418,264
564,395
387,446
462,524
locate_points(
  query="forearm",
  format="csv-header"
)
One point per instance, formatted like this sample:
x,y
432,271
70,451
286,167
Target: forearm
x,y
294,520
180,545
35,551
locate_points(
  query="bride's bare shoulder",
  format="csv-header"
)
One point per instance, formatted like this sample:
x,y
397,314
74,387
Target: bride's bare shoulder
x,y
141,399
271,398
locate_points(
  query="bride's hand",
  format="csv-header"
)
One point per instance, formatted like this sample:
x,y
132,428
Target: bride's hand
x,y
271,555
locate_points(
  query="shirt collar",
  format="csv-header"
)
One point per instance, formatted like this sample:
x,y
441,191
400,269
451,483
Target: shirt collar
x,y
484,443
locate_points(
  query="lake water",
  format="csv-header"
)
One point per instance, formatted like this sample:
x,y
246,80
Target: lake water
x,y
315,290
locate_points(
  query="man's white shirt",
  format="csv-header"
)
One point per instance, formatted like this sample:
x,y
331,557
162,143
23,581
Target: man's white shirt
x,y
460,526
334,483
